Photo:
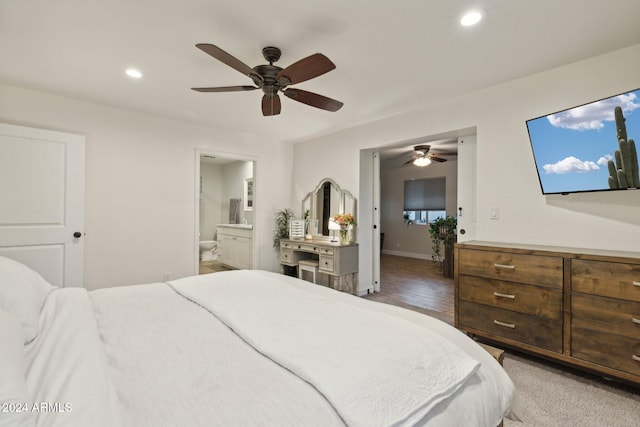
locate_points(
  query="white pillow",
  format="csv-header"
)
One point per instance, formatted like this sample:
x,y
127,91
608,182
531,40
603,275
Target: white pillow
x,y
22,294
14,398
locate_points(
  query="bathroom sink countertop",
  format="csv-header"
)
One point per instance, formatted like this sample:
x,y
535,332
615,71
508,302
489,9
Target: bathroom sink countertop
x,y
245,226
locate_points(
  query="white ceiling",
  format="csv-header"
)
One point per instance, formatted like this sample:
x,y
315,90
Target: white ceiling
x,y
391,56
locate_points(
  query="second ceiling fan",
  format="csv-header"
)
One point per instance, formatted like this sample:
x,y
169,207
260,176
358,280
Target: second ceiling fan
x,y
423,157
273,79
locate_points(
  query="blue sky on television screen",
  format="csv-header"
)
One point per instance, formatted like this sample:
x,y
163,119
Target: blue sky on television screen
x,y
571,148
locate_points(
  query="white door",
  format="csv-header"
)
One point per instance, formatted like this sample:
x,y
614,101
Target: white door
x,y
466,188
42,202
377,249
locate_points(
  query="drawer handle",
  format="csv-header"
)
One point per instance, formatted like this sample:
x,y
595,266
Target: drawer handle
x,y
636,358
505,266
634,320
636,283
500,295
506,325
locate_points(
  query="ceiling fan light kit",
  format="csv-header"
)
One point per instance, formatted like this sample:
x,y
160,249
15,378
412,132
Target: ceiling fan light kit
x,y
273,79
423,157
422,162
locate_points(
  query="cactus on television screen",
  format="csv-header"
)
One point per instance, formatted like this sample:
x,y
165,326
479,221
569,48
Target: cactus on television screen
x,y
623,173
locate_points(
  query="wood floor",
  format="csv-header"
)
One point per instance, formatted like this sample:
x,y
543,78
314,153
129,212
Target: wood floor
x,y
211,267
415,284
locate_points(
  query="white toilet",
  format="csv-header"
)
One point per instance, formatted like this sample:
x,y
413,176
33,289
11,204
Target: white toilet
x,y
208,250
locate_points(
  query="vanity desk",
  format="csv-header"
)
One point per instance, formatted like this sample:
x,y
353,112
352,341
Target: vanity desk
x,y
337,262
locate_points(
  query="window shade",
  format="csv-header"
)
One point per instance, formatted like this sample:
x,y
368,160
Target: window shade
x,y
425,194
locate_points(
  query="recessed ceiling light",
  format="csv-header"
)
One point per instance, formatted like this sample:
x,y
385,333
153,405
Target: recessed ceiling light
x,y
471,18
132,72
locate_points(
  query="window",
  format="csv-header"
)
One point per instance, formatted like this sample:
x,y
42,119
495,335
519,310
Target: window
x,y
424,200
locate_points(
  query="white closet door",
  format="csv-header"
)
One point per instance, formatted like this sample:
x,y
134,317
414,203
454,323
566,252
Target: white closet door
x,y
466,188
42,201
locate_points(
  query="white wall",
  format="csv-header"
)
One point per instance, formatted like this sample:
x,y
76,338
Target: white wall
x,y
404,239
141,184
505,169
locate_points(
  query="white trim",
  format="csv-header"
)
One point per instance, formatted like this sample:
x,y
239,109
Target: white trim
x,y
376,222
408,254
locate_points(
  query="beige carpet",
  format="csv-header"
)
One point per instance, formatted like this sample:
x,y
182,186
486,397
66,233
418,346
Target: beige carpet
x,y
553,396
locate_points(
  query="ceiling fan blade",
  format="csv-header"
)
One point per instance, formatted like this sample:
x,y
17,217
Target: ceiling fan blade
x,y
305,69
437,159
313,99
228,59
270,105
224,89
408,162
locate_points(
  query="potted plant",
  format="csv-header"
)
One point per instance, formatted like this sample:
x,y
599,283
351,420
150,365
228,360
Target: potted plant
x,y
281,230
443,230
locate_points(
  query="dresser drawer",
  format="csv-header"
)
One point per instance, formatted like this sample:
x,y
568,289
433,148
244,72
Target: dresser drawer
x,y
532,330
305,247
326,263
286,255
527,299
532,269
609,315
607,349
610,279
326,251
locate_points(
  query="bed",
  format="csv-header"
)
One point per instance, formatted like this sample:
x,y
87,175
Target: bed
x,y
236,348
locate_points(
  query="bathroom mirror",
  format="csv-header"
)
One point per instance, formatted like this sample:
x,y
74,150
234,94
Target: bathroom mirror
x,y
325,201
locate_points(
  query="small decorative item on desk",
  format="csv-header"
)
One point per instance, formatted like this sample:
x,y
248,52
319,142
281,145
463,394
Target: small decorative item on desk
x,y
296,229
346,222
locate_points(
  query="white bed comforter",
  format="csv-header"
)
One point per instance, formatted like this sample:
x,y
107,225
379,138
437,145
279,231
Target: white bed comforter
x,y
375,370
66,371
172,363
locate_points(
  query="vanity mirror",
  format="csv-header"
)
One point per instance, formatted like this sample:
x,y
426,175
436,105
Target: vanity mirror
x,y
323,203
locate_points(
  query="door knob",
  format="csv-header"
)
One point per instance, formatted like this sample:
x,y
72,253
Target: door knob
x,y
77,234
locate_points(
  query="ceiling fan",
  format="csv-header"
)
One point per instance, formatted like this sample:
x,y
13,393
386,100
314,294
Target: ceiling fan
x,y
273,79
423,157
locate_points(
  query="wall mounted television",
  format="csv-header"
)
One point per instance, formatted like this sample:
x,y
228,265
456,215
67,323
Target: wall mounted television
x,y
578,149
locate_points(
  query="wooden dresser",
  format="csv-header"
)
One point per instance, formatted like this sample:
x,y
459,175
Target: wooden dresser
x,y
577,306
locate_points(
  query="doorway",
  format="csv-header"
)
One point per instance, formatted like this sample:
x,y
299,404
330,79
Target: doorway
x,y
397,256
225,197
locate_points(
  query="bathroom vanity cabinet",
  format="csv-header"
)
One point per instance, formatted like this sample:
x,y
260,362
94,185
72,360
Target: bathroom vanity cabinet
x,y
235,246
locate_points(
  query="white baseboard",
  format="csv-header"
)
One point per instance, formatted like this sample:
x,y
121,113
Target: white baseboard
x,y
408,254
